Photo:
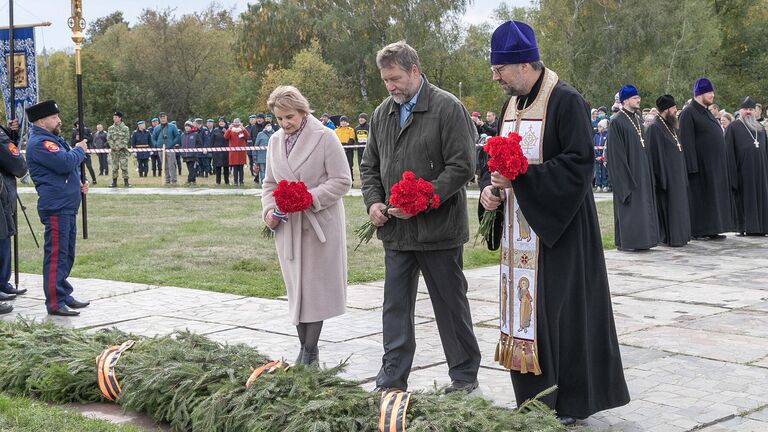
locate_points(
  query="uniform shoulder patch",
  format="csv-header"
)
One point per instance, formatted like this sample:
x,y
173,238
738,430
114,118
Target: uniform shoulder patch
x,y
51,146
13,149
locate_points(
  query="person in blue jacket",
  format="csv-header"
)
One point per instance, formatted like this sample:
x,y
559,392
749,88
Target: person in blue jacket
x,y
12,165
166,136
55,170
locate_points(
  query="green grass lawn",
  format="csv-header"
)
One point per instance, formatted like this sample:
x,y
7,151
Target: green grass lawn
x,y
24,415
212,243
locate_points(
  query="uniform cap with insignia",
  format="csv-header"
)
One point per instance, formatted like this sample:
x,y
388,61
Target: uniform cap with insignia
x,y
118,113
140,122
155,119
198,120
210,120
748,103
252,116
41,110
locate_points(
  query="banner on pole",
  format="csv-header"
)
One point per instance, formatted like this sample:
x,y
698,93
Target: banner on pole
x,y
24,57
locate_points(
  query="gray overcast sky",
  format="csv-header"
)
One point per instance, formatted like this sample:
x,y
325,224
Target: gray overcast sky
x,y
57,36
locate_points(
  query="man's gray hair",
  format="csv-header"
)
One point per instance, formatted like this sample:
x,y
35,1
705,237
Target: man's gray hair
x,y
400,54
537,65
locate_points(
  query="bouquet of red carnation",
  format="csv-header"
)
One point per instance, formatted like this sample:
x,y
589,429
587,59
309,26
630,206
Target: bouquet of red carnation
x,y
412,195
290,197
505,157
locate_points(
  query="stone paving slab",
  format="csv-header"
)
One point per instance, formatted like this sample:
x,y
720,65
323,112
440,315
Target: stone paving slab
x,y
738,424
161,325
723,346
743,322
715,295
633,313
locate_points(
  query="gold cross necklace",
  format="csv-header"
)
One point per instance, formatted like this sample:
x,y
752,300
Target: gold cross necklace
x,y
637,127
671,132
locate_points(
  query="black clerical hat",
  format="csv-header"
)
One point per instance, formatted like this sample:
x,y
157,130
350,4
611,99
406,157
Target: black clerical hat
x,y
748,102
41,110
665,102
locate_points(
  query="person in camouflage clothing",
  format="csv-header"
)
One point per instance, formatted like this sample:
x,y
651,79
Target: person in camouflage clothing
x,y
118,138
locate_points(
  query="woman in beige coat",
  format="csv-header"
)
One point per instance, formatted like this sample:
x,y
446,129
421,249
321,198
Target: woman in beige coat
x,y
311,245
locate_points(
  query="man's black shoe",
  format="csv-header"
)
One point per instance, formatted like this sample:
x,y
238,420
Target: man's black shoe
x,y
464,386
716,237
6,297
64,311
5,308
10,289
566,420
76,304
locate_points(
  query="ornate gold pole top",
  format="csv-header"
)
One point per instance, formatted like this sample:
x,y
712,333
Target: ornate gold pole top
x,y
76,22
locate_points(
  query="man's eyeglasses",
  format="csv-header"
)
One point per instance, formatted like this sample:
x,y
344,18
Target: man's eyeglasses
x,y
496,70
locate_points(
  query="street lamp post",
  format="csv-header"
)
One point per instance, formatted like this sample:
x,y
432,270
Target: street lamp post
x,y
459,90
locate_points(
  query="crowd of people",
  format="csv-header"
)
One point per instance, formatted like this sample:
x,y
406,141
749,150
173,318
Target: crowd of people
x,y
167,145
676,175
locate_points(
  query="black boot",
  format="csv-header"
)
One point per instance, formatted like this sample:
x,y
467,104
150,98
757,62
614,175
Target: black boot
x,y
300,358
126,183
311,357
114,183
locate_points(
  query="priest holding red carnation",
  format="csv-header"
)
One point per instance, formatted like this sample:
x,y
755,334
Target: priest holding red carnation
x,y
557,323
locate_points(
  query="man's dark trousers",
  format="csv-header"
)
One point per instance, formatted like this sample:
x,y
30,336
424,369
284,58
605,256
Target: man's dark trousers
x,y
447,286
5,263
58,258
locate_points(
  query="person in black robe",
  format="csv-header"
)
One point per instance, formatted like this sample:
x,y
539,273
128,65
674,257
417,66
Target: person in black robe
x,y
634,200
745,143
576,334
668,162
709,193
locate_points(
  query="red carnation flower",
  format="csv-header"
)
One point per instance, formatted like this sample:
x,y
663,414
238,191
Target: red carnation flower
x,y
292,197
506,155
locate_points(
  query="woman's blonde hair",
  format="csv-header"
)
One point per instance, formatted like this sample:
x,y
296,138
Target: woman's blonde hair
x,y
288,98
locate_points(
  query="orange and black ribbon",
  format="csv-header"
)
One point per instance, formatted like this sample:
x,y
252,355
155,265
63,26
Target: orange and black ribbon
x,y
394,406
266,368
105,370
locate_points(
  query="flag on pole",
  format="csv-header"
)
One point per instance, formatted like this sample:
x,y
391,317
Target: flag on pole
x,y
24,57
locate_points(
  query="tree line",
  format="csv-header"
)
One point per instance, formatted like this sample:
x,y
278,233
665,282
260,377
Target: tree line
x,y
213,62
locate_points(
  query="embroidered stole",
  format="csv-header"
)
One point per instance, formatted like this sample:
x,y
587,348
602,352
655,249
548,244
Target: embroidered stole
x,y
517,347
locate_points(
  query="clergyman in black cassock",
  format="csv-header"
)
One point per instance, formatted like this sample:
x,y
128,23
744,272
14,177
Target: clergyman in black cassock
x,y
709,193
578,349
634,200
668,162
745,142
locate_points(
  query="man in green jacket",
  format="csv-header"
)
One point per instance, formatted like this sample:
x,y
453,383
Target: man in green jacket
x,y
426,130
118,138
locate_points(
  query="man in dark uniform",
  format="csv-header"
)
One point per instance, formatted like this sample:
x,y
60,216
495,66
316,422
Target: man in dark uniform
x,y
55,170
157,163
204,158
141,138
88,139
12,165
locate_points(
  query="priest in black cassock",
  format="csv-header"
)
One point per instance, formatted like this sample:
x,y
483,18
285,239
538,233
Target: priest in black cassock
x,y
745,142
634,200
557,326
668,162
709,193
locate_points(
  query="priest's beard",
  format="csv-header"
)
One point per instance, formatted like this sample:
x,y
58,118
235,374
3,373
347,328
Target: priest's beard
x,y
671,120
751,123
